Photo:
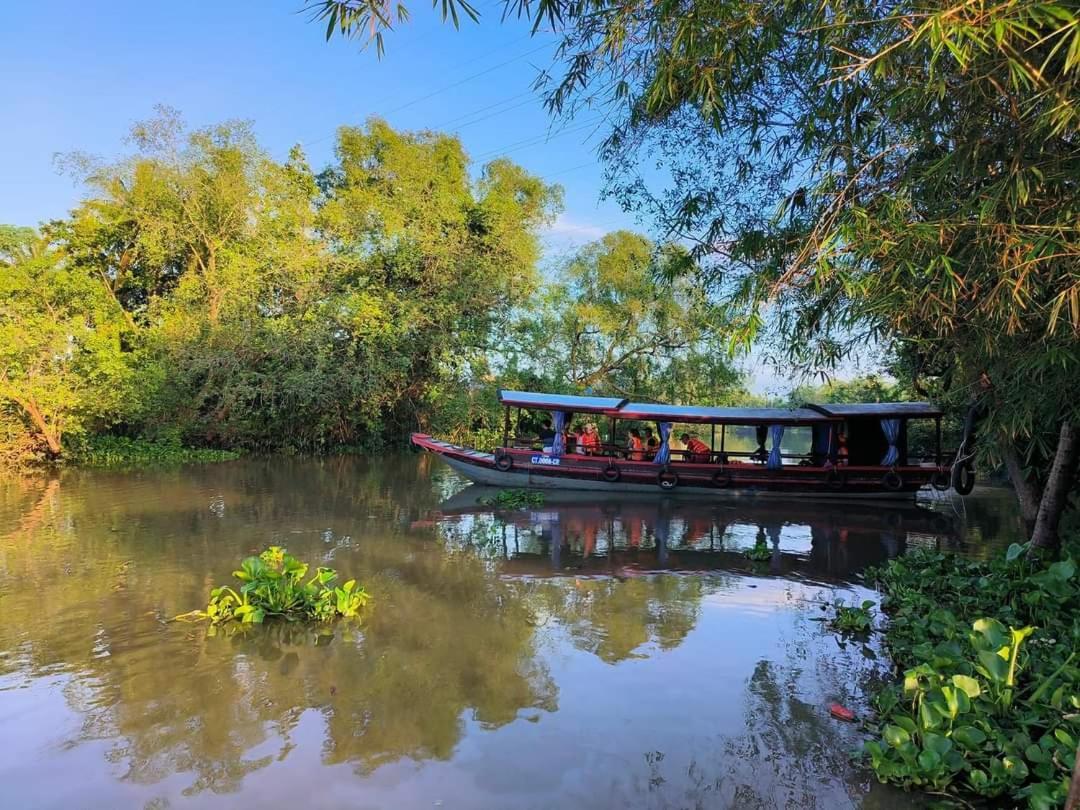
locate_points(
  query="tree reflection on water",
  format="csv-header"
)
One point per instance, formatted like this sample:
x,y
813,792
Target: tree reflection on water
x,y
482,620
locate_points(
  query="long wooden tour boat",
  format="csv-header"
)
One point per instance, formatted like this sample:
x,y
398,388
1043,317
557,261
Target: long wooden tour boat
x,y
847,450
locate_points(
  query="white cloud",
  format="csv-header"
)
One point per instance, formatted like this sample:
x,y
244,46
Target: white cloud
x,y
566,229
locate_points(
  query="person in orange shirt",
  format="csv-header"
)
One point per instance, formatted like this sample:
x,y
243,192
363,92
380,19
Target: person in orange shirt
x,y
635,446
841,450
589,443
696,449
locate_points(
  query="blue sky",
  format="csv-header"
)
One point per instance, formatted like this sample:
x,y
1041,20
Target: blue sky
x,y
75,75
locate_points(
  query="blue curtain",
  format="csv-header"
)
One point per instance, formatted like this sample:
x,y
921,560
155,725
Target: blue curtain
x,y
823,442
558,447
776,433
663,452
891,429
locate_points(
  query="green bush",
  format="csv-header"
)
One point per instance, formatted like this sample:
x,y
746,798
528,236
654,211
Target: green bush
x,y
989,703
120,451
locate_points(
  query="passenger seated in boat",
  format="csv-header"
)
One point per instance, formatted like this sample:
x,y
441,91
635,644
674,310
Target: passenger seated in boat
x,y
573,439
696,449
547,435
589,443
635,446
841,450
652,444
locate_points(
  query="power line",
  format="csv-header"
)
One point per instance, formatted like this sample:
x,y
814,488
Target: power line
x,y
447,87
537,140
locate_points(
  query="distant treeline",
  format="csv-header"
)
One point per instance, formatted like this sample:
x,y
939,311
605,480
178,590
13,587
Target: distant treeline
x,y
206,295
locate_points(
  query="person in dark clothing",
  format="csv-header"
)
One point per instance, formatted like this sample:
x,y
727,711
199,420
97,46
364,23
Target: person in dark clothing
x,y
652,444
547,434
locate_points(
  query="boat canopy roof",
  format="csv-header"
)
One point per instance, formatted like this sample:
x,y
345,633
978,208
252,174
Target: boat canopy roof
x,y
560,402
648,411
812,413
880,410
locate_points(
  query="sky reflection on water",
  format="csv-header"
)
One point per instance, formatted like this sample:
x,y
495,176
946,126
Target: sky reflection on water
x,y
580,654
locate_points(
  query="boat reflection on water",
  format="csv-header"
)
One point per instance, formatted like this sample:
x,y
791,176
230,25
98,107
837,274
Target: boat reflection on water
x,y
579,533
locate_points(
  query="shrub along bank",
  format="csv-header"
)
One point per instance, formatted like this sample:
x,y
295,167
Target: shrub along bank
x,y
989,704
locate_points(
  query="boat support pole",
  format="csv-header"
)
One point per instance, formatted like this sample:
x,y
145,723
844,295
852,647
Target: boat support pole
x,y
937,432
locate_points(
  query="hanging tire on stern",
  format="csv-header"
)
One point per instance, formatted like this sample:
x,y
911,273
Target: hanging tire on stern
x,y
963,479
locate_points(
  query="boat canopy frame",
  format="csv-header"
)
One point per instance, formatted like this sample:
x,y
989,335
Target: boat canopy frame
x,y
809,415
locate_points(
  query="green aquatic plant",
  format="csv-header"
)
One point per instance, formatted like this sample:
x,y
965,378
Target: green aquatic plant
x,y
850,619
515,499
273,585
989,702
759,553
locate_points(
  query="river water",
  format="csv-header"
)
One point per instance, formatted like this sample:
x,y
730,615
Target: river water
x,y
586,653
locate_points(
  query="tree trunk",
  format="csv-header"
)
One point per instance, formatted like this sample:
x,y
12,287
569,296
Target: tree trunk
x,y
1072,801
1026,492
51,435
1055,498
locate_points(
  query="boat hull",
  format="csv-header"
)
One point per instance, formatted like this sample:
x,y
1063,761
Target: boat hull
x,y
533,470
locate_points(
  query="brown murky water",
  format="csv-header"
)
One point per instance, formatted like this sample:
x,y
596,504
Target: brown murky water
x,y
584,654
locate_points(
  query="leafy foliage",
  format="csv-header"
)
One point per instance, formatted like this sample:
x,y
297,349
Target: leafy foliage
x,y
606,325
852,619
122,451
991,687
274,587
206,291
760,552
63,369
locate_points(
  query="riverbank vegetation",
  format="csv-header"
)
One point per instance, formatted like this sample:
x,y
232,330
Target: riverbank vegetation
x,y
207,296
989,701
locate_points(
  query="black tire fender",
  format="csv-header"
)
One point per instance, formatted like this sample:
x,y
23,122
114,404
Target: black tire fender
x,y
611,473
963,479
892,481
503,462
667,479
721,478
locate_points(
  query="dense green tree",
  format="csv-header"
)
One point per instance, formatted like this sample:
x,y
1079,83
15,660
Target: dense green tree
x,y
605,324
62,367
266,305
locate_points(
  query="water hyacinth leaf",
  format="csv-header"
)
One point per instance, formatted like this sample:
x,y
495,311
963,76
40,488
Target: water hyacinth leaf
x,y
896,736
905,723
1015,767
1062,571
969,736
990,632
993,665
937,743
1015,550
967,684
957,701
928,717
929,760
